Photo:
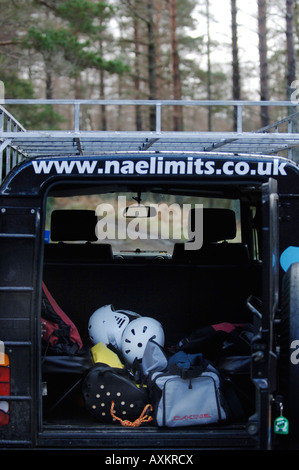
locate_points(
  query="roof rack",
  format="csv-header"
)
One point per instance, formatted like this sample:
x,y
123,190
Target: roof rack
x,y
18,143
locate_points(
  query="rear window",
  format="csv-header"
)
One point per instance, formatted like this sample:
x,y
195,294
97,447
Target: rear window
x,y
147,222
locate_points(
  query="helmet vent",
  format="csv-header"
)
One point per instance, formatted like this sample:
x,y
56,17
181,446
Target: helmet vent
x,y
119,321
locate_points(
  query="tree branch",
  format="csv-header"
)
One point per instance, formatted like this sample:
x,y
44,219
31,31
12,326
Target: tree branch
x,y
135,12
8,43
48,4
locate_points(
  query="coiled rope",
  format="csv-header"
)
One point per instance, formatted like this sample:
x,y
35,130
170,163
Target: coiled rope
x,y
142,418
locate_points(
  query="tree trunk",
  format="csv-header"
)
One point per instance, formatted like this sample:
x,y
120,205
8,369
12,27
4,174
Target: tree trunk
x,y
137,81
151,62
102,86
176,80
102,97
235,59
209,72
291,55
49,87
159,10
262,32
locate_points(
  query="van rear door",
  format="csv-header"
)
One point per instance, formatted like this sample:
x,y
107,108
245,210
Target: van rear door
x,y
263,356
19,300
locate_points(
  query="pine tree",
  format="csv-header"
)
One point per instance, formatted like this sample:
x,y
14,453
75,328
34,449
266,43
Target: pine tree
x,y
66,48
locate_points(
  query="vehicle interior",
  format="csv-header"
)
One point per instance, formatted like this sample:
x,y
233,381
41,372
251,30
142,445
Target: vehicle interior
x,y
125,245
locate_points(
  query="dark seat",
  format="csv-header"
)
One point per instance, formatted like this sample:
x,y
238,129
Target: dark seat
x,y
219,225
74,232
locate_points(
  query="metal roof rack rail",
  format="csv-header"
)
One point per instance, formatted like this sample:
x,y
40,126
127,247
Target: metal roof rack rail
x,y
18,143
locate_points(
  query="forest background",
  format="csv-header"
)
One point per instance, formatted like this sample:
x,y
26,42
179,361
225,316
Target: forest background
x,y
148,49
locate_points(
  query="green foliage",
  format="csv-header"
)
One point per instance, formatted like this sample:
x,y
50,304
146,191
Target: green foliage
x,y
83,16
39,117
31,117
52,40
49,42
74,40
16,87
44,118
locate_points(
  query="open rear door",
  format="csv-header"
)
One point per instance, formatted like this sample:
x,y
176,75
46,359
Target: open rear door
x,y
263,357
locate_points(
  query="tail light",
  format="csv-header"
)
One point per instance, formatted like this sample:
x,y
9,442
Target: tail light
x,y
4,388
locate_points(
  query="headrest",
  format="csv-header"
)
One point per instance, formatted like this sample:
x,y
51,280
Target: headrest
x,y
73,225
218,224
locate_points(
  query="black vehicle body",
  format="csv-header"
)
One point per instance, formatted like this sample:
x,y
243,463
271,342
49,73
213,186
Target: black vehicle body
x,y
182,293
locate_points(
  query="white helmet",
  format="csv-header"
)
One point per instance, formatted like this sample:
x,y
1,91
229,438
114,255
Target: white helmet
x,y
106,325
136,336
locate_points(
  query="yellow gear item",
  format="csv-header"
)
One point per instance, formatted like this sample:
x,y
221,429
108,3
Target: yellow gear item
x,y
101,353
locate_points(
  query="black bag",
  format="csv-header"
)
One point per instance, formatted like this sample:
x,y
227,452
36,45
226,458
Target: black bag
x,y
110,394
221,339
